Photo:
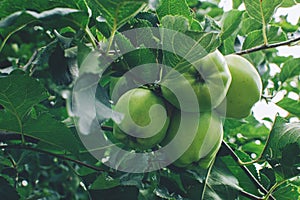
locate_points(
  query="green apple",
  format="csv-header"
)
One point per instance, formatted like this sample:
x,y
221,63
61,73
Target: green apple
x,y
206,143
209,79
145,119
245,88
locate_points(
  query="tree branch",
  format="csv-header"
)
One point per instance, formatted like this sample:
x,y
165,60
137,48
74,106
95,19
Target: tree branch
x,y
268,46
246,170
6,136
26,147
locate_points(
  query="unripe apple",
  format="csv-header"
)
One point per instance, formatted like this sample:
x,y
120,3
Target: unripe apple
x,y
209,78
245,88
145,119
206,143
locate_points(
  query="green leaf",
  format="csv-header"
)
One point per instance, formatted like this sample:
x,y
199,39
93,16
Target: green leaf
x,y
288,3
236,3
116,12
19,93
253,147
287,192
19,14
261,10
163,193
230,23
50,131
8,7
256,58
290,69
255,38
249,128
221,183
31,15
287,26
210,25
131,179
249,25
7,191
174,178
191,45
290,105
282,150
227,46
174,7
176,23
104,181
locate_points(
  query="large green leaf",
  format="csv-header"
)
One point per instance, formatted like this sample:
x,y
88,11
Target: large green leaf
x,y
228,45
50,131
244,180
185,43
236,3
261,10
287,192
249,128
221,183
19,93
104,181
283,148
248,25
18,14
230,23
29,16
174,7
255,38
288,3
176,23
290,69
115,12
45,128
290,105
8,7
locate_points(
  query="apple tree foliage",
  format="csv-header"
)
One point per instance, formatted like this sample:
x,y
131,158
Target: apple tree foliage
x,y
42,45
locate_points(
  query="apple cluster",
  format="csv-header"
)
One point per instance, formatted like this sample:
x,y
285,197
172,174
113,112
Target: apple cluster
x,y
224,87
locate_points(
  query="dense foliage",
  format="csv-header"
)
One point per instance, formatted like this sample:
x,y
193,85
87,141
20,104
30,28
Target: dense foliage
x,y
43,45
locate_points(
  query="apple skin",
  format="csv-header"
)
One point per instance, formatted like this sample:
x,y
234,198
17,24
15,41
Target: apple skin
x,y
245,88
145,120
209,78
204,145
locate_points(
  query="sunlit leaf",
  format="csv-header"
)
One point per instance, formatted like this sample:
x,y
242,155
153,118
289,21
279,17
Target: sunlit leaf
x,y
261,10
290,105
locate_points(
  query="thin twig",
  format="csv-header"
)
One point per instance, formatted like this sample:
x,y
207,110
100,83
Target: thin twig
x,y
268,46
246,170
26,147
35,53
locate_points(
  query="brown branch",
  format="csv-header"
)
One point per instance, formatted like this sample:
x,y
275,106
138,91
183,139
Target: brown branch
x,y
268,46
246,170
26,147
